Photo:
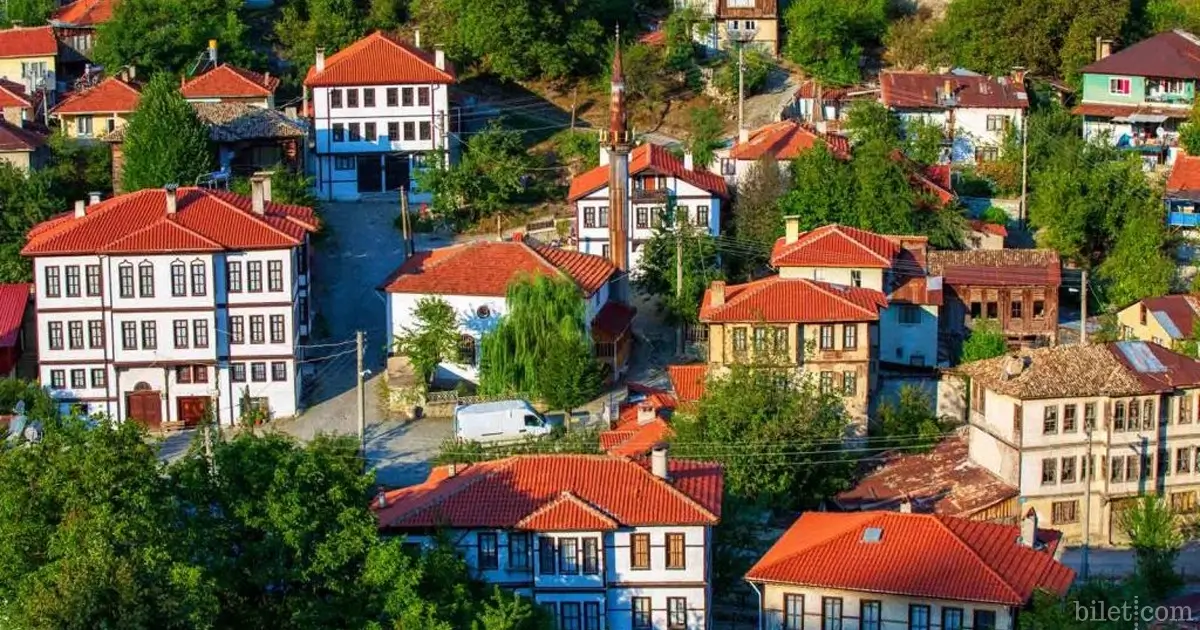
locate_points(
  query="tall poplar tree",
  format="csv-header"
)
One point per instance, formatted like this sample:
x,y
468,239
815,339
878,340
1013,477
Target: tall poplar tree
x,y
165,143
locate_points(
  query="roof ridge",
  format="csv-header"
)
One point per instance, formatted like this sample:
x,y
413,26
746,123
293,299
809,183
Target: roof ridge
x,y
13,94
484,473
827,289
754,288
854,520
671,487
236,71
343,54
567,496
162,221
260,218
975,554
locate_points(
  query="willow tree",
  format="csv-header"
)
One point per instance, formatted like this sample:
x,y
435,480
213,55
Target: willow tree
x,y
545,314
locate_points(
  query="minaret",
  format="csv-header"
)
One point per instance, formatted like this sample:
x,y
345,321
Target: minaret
x,y
618,142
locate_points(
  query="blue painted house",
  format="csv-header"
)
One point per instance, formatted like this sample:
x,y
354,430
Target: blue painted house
x,y
1137,97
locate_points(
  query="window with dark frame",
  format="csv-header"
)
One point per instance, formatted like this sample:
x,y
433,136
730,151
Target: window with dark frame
x,y
391,97
96,333
1118,421
79,379
352,97
146,280
368,97
643,217
199,279
53,282
410,130
369,133
849,336
339,132
702,216
589,217
424,131
602,216
591,556
183,374
952,618
831,613
781,339
1050,419
870,614
639,552
178,279
739,339
94,287
826,382
1069,418
182,338
1067,470
58,379
275,275
1149,419
591,616
237,329
278,331
237,372
489,552
760,338
75,335
1049,471
258,332
1064,512
129,335
849,383
570,618
568,556
73,286
149,335
335,98
254,276
676,613
546,564
354,131
1015,313
422,97
827,336
406,97
200,333
793,612
258,372
393,131
233,273
918,617
99,378
676,551
642,613
518,551
278,371
984,620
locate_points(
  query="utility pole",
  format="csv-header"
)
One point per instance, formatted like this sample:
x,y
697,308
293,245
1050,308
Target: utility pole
x,y
679,284
1024,170
1083,298
574,105
741,87
362,401
1087,499
404,228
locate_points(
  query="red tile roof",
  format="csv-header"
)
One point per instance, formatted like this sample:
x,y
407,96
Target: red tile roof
x,y
1171,55
787,139
85,12
934,180
521,492
14,138
487,267
1114,111
654,38
988,228
997,267
13,299
942,481
205,220
917,555
776,299
12,94
378,59
630,437
226,81
837,246
688,381
920,90
613,320
1181,311
1185,175
654,159
38,41
111,95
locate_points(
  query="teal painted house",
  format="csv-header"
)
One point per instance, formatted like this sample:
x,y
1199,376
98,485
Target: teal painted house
x,y
1138,97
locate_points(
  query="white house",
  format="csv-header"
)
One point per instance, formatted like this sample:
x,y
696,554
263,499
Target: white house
x,y
379,108
567,531
1032,413
784,141
897,571
157,304
975,112
474,277
655,178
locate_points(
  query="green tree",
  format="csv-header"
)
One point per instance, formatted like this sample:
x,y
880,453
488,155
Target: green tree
x,y
1048,611
884,198
165,143
911,417
646,77
822,191
923,142
985,341
169,35
705,132
657,273
757,216
306,25
386,15
757,69
680,26
910,43
1189,133
1159,16
485,182
572,376
541,311
287,186
434,337
869,121
828,39
580,150
773,432
25,201
1154,533
79,168
1140,264
27,12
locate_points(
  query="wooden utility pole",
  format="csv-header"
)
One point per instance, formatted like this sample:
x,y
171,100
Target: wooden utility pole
x,y
404,223
574,105
1083,298
1024,171
362,401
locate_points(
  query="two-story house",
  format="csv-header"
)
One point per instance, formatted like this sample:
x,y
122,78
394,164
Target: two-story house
x,y
76,23
784,141
161,304
22,143
1016,288
1121,416
379,108
1136,98
599,541
655,179
726,23
976,112
96,111
474,277
893,571
1166,320
844,300
29,56
826,107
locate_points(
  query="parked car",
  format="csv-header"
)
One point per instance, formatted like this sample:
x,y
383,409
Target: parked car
x,y
499,421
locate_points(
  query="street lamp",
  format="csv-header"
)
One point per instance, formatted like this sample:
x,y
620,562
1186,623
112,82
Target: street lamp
x,y
741,37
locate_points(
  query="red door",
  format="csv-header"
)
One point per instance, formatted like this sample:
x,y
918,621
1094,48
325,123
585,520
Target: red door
x,y
191,409
145,406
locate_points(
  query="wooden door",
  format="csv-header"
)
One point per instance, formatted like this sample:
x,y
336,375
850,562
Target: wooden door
x,y
145,406
370,174
191,409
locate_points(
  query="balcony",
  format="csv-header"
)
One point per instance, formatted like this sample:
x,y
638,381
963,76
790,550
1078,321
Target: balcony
x,y
1183,219
642,195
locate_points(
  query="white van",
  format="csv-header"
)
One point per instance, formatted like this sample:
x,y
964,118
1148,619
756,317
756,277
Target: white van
x,y
499,420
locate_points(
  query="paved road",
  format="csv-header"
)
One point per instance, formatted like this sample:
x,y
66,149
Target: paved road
x,y
1121,562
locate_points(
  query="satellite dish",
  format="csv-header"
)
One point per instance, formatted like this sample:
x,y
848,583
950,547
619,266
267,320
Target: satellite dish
x,y
33,433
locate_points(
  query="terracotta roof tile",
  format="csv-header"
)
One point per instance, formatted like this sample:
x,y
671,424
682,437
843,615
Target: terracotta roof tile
x,y
487,267
85,12
378,59
837,246
111,95
1121,368
654,38
921,90
786,140
1185,175
38,41
632,437
917,555
648,157
831,94
942,481
14,138
13,300
13,94
226,81
988,228
205,220
1171,54
688,381
1181,312
776,299
519,492
997,267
